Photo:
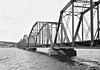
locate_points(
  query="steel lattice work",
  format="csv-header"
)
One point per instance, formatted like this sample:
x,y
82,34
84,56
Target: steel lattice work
x,y
79,23
41,34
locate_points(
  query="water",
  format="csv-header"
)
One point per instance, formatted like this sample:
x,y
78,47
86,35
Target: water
x,y
89,54
17,59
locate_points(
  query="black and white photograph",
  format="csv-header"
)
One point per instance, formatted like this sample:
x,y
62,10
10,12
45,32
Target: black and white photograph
x,y
49,34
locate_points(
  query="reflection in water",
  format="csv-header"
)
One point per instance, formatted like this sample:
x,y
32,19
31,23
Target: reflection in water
x,y
62,59
68,60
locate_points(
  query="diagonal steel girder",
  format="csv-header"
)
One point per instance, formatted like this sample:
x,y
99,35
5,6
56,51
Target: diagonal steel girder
x,y
76,33
69,3
60,19
95,4
40,28
66,36
82,13
77,30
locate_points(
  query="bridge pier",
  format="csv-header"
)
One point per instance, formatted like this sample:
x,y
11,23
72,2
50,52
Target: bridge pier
x,y
69,52
31,49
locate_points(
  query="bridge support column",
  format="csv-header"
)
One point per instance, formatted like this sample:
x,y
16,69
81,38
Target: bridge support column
x,y
69,52
97,21
91,22
72,24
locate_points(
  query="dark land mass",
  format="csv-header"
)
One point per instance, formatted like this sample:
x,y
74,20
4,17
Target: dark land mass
x,y
7,44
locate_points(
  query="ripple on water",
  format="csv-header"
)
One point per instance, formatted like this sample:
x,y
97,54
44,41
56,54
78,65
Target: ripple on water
x,y
16,59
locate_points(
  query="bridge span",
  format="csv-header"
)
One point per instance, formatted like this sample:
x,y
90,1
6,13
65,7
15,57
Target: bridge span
x,y
78,26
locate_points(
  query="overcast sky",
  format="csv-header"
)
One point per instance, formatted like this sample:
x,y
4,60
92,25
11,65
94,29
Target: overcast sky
x,y
18,16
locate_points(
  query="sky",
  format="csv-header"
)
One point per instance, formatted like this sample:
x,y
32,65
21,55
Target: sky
x,y
18,16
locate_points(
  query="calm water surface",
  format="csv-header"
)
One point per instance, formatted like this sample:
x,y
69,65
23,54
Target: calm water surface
x,y
17,59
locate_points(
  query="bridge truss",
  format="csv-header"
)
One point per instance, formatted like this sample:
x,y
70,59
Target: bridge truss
x,y
78,25
42,34
80,20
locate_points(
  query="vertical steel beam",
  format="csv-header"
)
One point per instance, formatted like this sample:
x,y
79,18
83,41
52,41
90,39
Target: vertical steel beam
x,y
39,34
42,35
98,21
82,30
51,30
61,33
91,21
72,24
47,35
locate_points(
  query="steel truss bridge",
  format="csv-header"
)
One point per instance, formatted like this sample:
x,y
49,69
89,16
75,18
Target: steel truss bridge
x,y
78,25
